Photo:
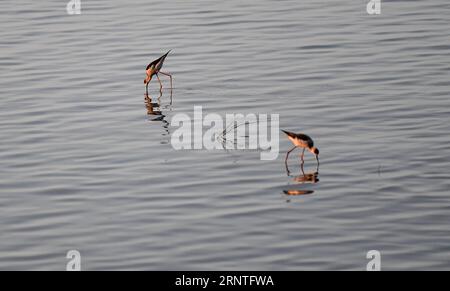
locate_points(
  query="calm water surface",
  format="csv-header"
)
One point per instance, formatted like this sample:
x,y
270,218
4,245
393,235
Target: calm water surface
x,y
83,166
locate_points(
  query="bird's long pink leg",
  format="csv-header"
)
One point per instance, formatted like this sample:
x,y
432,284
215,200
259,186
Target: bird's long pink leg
x,y
303,170
288,153
170,76
303,156
160,83
286,160
171,85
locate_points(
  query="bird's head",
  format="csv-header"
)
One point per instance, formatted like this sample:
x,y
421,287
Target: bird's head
x,y
315,151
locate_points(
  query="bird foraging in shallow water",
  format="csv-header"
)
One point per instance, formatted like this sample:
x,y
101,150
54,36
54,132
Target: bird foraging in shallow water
x,y
154,68
304,142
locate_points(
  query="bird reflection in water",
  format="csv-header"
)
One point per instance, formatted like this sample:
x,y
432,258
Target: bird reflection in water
x,y
311,177
154,110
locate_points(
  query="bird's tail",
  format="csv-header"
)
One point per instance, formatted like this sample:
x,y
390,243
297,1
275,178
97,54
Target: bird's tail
x,y
291,134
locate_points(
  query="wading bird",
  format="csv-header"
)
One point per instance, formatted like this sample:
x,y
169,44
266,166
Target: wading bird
x,y
154,68
302,141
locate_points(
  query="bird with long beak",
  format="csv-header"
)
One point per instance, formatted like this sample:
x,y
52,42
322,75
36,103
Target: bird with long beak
x,y
304,142
154,68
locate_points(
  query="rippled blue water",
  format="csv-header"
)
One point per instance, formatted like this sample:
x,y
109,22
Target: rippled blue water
x,y
84,167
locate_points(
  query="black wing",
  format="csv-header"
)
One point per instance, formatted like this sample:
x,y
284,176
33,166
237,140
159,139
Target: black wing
x,y
307,139
301,136
161,59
